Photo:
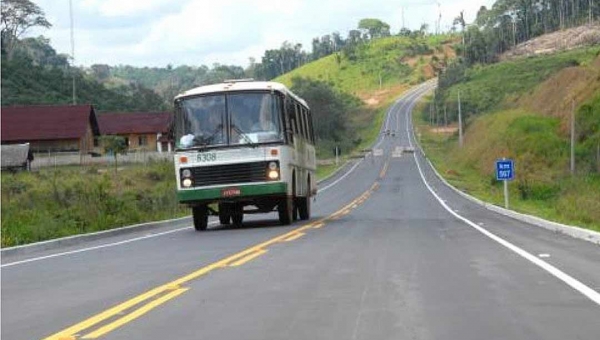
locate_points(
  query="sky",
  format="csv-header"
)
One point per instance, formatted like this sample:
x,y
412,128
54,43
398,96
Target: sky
x,y
156,33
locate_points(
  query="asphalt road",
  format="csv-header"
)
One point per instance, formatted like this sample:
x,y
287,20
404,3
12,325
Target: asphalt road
x,y
382,258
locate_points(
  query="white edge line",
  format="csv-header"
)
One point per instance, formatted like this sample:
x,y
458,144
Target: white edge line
x,y
569,280
341,178
108,231
97,247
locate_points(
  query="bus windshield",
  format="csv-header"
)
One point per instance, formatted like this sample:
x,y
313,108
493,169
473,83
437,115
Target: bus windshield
x,y
230,119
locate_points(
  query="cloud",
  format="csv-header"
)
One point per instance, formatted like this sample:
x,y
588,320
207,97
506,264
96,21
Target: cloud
x,y
160,32
123,8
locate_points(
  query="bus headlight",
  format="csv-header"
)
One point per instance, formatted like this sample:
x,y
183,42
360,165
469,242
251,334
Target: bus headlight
x,y
273,166
186,173
273,174
186,183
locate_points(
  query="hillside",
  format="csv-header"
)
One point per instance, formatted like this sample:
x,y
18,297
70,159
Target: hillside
x,y
37,75
521,109
379,66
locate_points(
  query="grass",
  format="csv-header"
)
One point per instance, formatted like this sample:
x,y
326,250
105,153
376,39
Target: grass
x,y
396,59
60,202
323,171
543,186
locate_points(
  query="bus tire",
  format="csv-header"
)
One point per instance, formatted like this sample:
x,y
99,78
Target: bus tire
x,y
285,208
200,215
224,214
304,207
237,215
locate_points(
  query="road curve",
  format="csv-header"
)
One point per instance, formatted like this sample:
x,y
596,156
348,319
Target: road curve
x,y
391,253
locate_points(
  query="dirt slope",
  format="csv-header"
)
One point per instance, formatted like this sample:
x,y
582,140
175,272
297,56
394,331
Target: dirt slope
x,y
557,41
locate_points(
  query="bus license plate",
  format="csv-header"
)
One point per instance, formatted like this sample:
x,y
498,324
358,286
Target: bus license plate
x,y
231,192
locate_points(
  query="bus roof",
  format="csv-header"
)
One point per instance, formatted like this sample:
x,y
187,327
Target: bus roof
x,y
240,85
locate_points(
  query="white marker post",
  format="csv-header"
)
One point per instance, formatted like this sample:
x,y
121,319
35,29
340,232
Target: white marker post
x,y
506,194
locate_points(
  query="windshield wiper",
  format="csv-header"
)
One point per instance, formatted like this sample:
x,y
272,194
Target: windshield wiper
x,y
249,141
203,143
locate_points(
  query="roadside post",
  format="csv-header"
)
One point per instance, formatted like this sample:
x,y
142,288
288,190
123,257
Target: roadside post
x,y
505,171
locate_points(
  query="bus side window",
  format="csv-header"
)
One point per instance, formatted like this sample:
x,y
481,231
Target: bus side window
x,y
296,126
289,120
299,121
305,124
310,127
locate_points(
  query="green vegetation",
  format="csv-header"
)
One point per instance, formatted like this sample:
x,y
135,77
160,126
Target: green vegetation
x,y
37,75
485,88
537,140
510,22
542,187
66,201
396,59
325,170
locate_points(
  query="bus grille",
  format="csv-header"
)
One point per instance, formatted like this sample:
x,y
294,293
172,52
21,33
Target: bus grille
x,y
229,173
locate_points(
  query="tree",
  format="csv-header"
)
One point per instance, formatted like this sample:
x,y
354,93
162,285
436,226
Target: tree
x,y
100,71
114,145
460,20
17,17
375,27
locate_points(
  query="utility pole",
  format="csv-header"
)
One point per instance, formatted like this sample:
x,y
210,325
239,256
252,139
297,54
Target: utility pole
x,y
430,114
460,128
514,24
598,156
445,116
72,50
590,12
403,25
573,138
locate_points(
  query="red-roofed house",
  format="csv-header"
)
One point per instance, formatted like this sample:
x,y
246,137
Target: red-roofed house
x,y
50,127
148,131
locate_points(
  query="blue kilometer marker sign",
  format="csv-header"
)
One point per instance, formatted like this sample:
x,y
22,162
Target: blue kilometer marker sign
x,y
505,170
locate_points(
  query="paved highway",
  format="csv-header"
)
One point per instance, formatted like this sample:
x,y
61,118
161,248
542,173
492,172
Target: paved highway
x,y
391,253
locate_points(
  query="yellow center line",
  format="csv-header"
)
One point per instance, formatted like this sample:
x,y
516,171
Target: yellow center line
x,y
107,314
384,170
248,258
232,260
294,237
135,314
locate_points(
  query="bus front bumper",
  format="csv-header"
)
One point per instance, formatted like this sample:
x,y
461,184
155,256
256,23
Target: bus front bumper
x,y
234,192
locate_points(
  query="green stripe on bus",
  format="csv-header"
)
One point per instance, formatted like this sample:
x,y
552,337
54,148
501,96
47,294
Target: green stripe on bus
x,y
245,191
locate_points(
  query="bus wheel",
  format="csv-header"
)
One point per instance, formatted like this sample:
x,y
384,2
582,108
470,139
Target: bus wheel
x,y
304,207
224,214
200,214
237,215
285,208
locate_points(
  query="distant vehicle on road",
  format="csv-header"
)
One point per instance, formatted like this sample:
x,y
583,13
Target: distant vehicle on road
x,y
245,147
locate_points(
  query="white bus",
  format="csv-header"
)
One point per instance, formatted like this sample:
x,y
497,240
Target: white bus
x,y
244,147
